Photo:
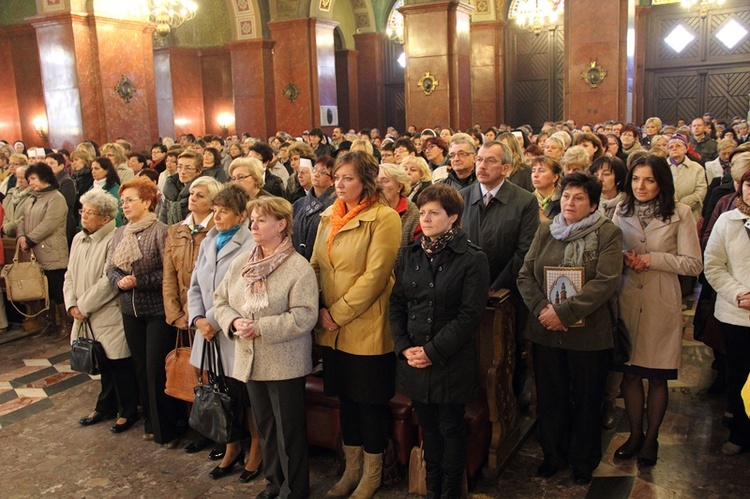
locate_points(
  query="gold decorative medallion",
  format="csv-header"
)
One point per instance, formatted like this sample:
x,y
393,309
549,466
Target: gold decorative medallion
x,y
594,74
291,91
125,89
427,83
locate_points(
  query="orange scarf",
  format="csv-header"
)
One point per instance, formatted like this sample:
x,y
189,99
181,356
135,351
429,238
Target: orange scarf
x,y
341,217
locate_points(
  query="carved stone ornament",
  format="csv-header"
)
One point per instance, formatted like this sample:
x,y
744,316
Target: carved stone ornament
x,y
125,89
594,74
427,83
291,91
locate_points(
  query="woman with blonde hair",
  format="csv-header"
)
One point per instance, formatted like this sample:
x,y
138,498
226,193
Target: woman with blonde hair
x,y
116,154
354,256
362,145
15,202
575,159
267,303
396,185
248,173
419,174
519,172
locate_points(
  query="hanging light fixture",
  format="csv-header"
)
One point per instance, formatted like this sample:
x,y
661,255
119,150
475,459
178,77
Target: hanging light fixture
x,y
168,14
703,6
536,15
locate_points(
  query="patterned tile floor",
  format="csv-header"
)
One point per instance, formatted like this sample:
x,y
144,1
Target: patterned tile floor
x,y
46,453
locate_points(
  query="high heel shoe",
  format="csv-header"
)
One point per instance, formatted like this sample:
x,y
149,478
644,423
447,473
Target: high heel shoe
x,y
645,461
219,472
625,453
248,475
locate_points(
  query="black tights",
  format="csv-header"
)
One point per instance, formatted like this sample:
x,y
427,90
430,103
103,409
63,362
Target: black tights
x,y
656,407
363,425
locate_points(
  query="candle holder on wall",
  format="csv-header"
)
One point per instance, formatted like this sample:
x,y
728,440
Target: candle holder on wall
x,y
594,75
291,91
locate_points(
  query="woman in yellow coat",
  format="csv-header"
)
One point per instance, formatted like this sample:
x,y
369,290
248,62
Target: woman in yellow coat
x,y
355,251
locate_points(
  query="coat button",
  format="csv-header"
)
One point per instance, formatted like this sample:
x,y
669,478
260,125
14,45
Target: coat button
x,y
427,338
440,269
429,321
432,285
413,316
335,243
640,286
429,303
643,240
416,268
413,284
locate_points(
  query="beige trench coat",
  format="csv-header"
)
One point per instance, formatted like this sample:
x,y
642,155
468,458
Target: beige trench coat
x,y
87,287
650,303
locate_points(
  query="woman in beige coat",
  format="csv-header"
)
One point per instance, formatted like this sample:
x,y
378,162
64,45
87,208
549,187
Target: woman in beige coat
x,y
354,255
93,302
43,231
660,242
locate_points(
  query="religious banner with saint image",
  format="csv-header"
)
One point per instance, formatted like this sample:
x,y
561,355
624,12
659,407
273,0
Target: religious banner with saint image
x,y
563,283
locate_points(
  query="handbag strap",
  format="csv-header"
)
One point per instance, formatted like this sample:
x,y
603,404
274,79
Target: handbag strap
x,y
17,253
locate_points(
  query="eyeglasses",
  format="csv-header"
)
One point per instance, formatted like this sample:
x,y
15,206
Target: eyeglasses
x,y
88,213
320,171
430,146
460,154
125,201
239,178
489,161
188,169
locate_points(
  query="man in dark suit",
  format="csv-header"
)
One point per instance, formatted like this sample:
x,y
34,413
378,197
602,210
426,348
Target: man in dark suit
x,y
502,218
503,224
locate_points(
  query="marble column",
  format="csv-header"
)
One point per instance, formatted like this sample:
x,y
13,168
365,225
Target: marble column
x,y
21,94
82,58
347,88
639,83
179,91
603,41
370,79
487,73
304,59
436,40
253,82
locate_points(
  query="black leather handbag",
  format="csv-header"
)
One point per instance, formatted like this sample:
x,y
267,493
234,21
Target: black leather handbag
x,y
213,412
86,354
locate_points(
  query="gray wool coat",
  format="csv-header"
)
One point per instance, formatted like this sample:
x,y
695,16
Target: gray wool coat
x,y
210,269
284,348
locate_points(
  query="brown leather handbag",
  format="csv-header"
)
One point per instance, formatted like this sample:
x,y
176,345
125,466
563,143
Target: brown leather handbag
x,y
182,377
417,472
25,281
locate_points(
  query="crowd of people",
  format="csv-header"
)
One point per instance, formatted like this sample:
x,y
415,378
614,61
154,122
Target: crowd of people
x,y
374,256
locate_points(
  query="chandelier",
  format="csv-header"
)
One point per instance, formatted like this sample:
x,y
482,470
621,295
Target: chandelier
x,y
168,14
701,5
536,15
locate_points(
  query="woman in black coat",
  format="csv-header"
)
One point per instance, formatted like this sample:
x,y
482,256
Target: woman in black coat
x,y
436,305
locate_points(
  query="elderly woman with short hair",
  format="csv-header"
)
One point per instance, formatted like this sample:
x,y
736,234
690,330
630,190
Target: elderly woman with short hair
x,y
135,265
267,302
15,202
43,231
396,185
14,161
419,174
92,302
177,187
571,330
249,174
575,159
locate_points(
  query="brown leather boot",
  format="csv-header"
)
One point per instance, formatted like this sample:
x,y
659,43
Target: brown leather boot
x,y
352,473
371,476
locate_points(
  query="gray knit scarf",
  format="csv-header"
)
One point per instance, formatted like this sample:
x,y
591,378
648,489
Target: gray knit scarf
x,y
581,236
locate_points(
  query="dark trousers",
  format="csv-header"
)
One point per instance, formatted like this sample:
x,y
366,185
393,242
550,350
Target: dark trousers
x,y
279,410
737,341
150,339
364,425
569,386
444,438
119,393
